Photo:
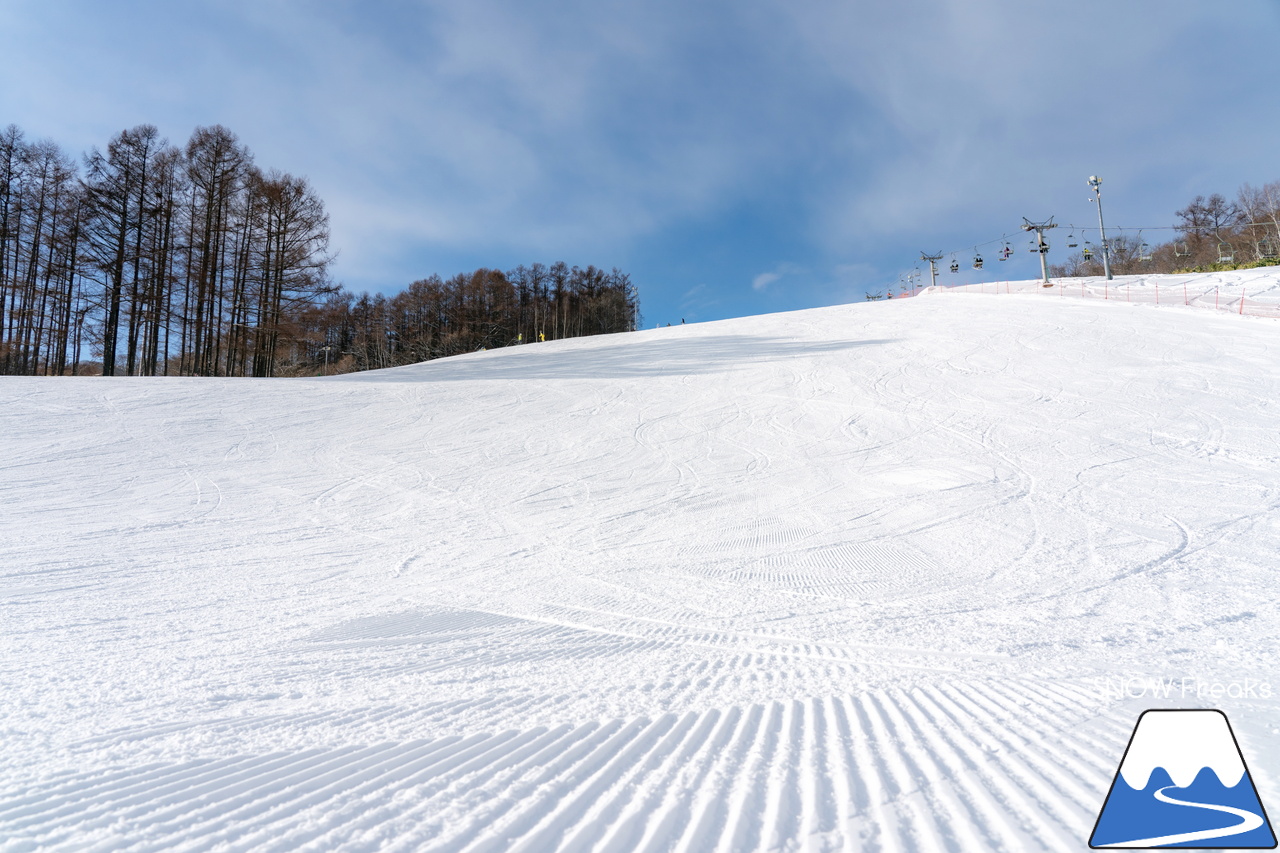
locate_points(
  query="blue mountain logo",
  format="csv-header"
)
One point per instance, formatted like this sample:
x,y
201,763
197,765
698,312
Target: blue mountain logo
x,y
1183,783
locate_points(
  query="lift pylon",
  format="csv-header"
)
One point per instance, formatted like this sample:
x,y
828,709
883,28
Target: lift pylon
x,y
933,266
1042,245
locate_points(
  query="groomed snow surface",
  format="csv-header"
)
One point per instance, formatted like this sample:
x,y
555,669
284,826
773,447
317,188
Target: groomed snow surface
x,y
891,576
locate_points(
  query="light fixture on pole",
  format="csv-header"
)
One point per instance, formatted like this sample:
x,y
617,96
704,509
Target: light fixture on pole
x,y
1096,183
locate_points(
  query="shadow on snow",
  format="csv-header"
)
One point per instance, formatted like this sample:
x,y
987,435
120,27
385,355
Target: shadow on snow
x,y
664,357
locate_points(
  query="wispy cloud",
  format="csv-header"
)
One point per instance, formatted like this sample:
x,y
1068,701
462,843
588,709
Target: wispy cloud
x,y
764,279
851,133
989,110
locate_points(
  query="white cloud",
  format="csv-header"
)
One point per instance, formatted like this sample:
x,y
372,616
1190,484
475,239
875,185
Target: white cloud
x,y
571,127
988,110
763,280
478,123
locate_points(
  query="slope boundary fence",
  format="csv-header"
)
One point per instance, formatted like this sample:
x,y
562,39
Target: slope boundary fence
x,y
1257,297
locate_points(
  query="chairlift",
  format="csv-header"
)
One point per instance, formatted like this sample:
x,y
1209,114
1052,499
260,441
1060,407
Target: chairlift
x,y
1226,254
1040,248
1071,240
1144,249
1267,250
1006,252
1087,253
1181,249
955,265
977,262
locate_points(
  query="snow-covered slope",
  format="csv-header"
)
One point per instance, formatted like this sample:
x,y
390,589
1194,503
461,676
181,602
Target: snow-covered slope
x,y
892,576
1252,293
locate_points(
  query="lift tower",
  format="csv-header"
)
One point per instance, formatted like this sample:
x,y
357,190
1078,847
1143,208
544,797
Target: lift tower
x,y
933,266
1042,245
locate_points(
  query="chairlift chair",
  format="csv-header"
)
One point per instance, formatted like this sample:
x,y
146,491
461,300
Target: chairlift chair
x,y
1087,253
1006,252
977,262
955,265
1266,250
1144,249
1181,249
1226,254
1071,240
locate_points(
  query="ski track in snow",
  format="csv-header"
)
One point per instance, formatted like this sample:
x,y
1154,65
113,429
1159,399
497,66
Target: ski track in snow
x,y
842,579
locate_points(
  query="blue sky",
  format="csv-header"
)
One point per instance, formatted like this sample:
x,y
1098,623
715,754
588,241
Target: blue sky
x,y
735,158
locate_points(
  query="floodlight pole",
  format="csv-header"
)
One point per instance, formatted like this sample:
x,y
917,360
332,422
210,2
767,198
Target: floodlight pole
x,y
933,267
1041,245
1096,183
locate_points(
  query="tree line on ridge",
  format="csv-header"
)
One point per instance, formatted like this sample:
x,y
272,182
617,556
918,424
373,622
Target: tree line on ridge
x,y
148,258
